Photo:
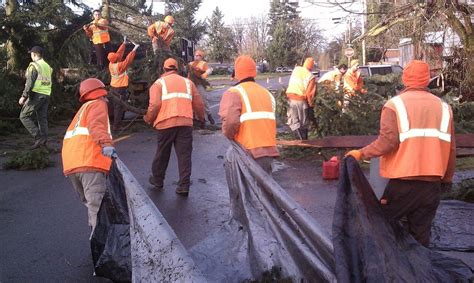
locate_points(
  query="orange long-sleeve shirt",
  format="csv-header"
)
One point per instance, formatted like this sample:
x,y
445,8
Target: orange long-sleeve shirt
x,y
353,81
388,141
122,66
229,111
164,31
155,106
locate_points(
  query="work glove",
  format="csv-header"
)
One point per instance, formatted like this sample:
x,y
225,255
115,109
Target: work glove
x,y
109,151
357,154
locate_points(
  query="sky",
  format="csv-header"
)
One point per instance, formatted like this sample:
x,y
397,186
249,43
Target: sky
x,y
320,12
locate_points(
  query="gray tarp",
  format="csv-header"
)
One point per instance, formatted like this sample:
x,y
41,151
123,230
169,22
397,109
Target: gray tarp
x,y
157,253
368,248
268,231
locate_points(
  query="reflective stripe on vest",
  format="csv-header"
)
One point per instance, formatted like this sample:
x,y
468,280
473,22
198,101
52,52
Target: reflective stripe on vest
x,y
165,95
82,131
116,74
99,35
406,132
249,114
42,83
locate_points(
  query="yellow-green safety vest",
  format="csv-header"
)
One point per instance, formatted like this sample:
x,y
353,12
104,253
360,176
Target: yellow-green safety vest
x,y
43,81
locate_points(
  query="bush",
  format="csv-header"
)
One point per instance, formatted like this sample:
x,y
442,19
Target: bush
x,y
462,191
29,160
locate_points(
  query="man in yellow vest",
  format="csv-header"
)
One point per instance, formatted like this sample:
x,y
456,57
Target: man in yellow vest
x,y
119,78
247,112
417,152
198,73
35,97
300,93
173,99
161,33
98,31
87,147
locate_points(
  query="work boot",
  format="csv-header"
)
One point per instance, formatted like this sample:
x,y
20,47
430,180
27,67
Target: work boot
x,y
298,134
39,142
182,191
304,134
211,120
154,183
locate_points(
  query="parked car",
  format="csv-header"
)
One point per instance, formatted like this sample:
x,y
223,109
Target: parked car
x,y
283,70
370,70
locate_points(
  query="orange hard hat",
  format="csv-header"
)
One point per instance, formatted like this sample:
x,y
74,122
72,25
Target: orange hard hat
x,y
170,64
89,85
169,19
199,52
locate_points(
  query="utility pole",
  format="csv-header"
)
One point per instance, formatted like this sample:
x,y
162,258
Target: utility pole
x,y
364,18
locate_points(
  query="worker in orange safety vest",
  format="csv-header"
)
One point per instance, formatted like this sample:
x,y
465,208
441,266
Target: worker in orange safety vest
x,y
173,99
198,71
161,31
353,81
87,147
98,31
247,111
300,93
417,152
119,78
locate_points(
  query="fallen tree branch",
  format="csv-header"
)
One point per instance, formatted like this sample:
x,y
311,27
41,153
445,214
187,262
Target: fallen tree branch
x,y
116,99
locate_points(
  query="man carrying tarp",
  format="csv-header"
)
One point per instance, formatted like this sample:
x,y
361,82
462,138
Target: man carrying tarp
x,y
247,111
87,147
119,78
170,111
161,33
417,152
198,71
300,93
98,31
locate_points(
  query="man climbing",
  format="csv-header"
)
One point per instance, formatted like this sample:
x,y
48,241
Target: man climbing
x,y
119,78
417,152
87,147
198,73
161,34
173,101
300,93
247,112
35,97
98,31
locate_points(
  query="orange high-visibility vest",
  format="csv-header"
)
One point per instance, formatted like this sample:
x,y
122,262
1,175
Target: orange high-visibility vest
x,y
424,126
299,80
257,119
79,150
100,36
175,104
117,79
166,33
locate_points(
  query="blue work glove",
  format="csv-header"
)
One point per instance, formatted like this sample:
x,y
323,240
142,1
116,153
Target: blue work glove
x,y
109,151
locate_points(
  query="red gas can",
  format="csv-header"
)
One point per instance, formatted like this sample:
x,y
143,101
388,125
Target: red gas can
x,y
331,168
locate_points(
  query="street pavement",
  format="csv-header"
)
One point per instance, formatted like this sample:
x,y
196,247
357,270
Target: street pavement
x,y
44,233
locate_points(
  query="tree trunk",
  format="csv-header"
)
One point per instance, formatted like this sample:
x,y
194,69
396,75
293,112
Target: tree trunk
x,y
467,86
12,51
106,9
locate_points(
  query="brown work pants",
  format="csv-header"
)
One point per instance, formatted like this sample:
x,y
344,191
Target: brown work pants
x,y
91,187
182,139
417,200
101,52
